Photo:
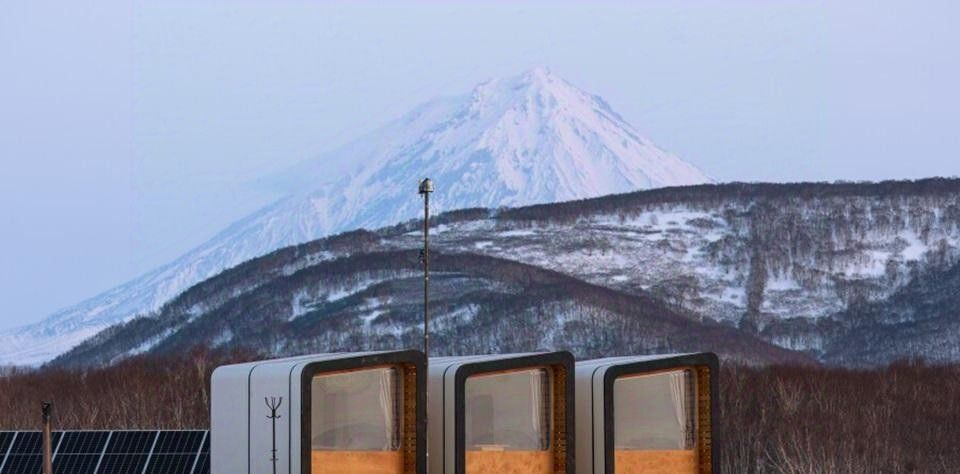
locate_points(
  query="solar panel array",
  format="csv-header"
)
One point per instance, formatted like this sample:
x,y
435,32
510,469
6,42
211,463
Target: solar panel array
x,y
108,452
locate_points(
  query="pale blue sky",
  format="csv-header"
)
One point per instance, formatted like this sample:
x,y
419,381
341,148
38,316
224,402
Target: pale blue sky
x,y
131,131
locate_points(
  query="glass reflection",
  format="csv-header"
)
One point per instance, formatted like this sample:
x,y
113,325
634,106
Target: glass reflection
x,y
356,421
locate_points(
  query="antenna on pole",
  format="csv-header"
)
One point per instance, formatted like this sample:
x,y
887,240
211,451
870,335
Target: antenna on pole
x,y
425,188
273,404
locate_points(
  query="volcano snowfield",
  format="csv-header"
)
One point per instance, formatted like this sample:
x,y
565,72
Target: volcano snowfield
x,y
515,141
852,274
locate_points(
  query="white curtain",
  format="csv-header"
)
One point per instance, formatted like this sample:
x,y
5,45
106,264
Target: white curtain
x,y
680,391
388,408
540,409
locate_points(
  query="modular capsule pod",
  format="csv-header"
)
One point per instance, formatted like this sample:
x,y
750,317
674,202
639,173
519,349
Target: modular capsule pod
x,y
647,414
354,413
501,414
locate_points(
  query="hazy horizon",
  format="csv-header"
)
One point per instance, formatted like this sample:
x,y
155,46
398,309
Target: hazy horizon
x,y
134,132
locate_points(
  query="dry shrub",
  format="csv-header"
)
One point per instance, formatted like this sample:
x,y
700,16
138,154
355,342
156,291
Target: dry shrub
x,y
798,420
141,392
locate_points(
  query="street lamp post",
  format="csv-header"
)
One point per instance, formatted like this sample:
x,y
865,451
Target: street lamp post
x,y
425,188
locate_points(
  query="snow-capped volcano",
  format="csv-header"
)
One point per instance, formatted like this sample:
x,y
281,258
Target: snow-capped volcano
x,y
533,138
523,140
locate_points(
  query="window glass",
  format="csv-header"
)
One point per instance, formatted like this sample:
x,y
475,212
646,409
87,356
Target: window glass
x,y
655,411
509,411
358,410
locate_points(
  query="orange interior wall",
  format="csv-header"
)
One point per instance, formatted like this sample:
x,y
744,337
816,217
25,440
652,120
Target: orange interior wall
x,y
677,461
509,462
356,462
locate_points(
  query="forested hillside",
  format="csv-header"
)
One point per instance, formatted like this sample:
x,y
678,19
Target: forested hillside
x,y
850,273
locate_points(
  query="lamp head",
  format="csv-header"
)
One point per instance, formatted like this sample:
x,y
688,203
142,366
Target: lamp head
x,y
426,186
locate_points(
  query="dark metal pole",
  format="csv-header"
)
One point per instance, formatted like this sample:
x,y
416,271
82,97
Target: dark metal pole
x,y
46,408
426,274
426,187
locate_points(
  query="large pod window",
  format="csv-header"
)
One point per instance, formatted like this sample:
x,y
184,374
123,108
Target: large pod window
x,y
508,418
655,422
356,421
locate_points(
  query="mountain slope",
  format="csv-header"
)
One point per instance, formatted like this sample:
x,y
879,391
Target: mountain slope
x,y
373,301
850,273
921,318
529,139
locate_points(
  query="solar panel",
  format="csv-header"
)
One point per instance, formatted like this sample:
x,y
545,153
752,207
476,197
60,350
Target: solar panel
x,y
108,452
176,442
6,437
27,442
175,452
75,463
23,464
131,442
31,442
171,463
83,442
203,464
122,464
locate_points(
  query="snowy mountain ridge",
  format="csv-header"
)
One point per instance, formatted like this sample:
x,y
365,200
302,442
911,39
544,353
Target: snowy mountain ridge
x,y
532,138
853,274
